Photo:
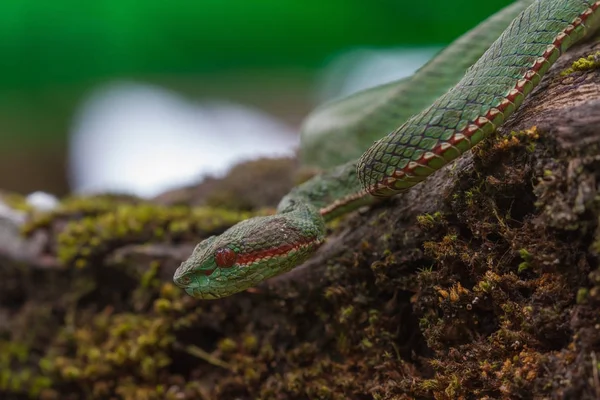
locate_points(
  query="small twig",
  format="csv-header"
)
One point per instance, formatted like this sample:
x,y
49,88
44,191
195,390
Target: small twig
x,y
203,355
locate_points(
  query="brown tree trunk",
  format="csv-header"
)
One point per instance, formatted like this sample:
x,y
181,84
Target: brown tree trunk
x,y
482,282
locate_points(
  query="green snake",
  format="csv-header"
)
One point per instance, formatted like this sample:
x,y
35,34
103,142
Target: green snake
x,y
461,116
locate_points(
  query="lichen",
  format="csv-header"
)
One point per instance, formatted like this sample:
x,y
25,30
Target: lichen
x,y
587,63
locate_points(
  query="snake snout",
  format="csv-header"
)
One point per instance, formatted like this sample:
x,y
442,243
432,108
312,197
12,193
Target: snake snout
x,y
181,278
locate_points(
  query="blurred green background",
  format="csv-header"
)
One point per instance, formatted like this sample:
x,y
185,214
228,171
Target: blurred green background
x,y
265,53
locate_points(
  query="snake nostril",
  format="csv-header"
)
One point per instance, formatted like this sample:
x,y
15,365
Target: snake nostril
x,y
182,280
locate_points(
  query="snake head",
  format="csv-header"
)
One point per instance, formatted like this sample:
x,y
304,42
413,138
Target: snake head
x,y
244,255
207,265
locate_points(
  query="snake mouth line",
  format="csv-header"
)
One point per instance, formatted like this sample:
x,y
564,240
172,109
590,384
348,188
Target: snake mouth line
x,y
246,260
487,122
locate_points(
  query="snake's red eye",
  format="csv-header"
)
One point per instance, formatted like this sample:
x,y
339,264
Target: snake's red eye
x,y
225,257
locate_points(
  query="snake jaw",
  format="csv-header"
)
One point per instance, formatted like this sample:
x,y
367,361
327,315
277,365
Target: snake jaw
x,y
217,267
246,254
187,274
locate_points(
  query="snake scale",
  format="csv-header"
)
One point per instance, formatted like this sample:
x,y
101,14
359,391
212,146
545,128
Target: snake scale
x,y
418,145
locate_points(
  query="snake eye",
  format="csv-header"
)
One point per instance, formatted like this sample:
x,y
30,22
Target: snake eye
x,y
225,257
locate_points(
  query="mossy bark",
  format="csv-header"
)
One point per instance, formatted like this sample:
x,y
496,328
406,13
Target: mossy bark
x,y
482,282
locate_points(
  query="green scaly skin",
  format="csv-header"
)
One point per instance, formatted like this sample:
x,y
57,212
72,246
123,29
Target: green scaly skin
x,y
490,91
342,130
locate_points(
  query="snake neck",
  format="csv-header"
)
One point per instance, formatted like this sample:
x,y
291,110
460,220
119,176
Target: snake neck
x,y
333,193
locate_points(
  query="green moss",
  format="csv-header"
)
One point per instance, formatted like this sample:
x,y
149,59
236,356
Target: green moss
x,y
112,343
525,255
15,202
17,374
75,208
227,345
346,313
582,295
108,353
527,258
587,63
97,225
524,266
428,221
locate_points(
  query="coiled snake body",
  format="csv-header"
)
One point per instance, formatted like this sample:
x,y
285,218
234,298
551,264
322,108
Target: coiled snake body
x,y
488,93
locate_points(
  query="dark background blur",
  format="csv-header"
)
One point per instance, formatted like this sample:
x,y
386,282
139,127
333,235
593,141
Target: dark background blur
x,y
265,54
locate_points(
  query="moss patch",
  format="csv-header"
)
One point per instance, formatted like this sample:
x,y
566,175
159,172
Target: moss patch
x,y
588,63
92,227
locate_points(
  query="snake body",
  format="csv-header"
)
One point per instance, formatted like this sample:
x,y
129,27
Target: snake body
x,y
488,93
341,131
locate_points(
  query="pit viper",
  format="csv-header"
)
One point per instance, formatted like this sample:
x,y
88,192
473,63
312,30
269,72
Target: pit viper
x,y
432,118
